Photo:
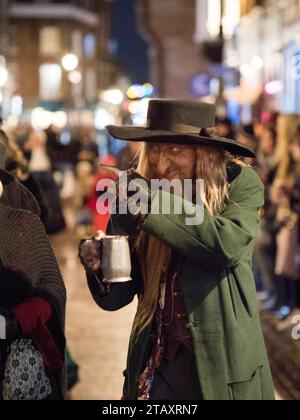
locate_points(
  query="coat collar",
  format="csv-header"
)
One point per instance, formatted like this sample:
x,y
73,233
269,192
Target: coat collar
x,y
233,171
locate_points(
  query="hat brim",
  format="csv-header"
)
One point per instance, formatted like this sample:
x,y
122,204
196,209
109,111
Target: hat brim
x,y
143,134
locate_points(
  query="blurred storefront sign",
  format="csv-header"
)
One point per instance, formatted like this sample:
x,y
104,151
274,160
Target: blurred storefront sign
x,y
296,66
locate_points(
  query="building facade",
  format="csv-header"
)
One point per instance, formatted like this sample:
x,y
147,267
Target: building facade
x,y
266,50
169,27
41,34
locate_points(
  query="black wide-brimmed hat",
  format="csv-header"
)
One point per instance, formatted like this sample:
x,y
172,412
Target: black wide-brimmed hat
x,y
179,121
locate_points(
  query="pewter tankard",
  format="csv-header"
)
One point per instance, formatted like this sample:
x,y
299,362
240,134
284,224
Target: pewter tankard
x,y
116,260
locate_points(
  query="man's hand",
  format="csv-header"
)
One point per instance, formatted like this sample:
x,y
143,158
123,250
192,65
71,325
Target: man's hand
x,y
90,253
127,187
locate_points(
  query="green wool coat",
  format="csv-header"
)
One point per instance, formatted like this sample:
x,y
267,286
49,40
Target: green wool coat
x,y
219,292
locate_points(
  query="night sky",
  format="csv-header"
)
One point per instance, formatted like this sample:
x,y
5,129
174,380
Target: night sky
x,y
129,48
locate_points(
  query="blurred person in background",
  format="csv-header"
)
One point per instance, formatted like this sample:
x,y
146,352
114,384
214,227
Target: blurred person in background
x,y
40,167
128,157
258,128
17,165
15,161
32,292
21,135
84,147
84,186
107,170
285,196
39,161
286,128
266,148
56,151
265,248
247,137
225,128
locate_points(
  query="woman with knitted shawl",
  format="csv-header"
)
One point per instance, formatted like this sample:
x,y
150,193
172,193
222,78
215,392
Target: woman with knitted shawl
x,y
32,292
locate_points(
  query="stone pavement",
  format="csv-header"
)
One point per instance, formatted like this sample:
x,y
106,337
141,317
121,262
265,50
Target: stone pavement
x,y
284,355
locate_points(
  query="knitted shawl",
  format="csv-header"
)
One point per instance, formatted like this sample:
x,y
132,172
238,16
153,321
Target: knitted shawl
x,y
25,250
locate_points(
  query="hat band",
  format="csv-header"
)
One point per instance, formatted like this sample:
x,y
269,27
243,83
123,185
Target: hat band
x,y
172,126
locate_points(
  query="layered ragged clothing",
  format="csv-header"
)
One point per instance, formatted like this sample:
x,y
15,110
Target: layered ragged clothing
x,y
218,291
31,285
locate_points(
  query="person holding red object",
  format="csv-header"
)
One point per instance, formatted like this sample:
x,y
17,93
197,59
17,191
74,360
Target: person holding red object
x,y
32,292
106,170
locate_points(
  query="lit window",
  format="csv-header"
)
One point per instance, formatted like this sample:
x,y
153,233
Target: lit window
x,y
231,17
50,41
89,45
214,17
50,82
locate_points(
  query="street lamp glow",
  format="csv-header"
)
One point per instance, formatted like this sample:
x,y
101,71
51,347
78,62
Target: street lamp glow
x,y
70,62
214,17
274,87
41,119
60,119
3,76
103,118
75,77
257,62
113,96
247,70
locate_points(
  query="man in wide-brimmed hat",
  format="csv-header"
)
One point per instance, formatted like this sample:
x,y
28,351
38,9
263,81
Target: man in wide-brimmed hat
x,y
197,334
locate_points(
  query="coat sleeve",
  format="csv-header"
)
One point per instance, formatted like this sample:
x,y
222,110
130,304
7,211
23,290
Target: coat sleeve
x,y
221,240
119,296
122,294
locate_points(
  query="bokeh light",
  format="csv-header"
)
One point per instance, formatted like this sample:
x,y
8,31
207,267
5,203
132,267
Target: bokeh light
x,y
3,76
138,91
113,96
70,62
103,118
75,77
41,119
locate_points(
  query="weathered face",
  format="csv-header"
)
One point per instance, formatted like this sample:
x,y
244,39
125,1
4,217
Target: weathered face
x,y
172,161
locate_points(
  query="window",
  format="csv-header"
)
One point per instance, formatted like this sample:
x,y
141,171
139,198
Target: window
x,y
214,17
50,82
89,45
50,40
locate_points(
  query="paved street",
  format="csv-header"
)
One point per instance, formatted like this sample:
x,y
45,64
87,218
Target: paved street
x,y
97,340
